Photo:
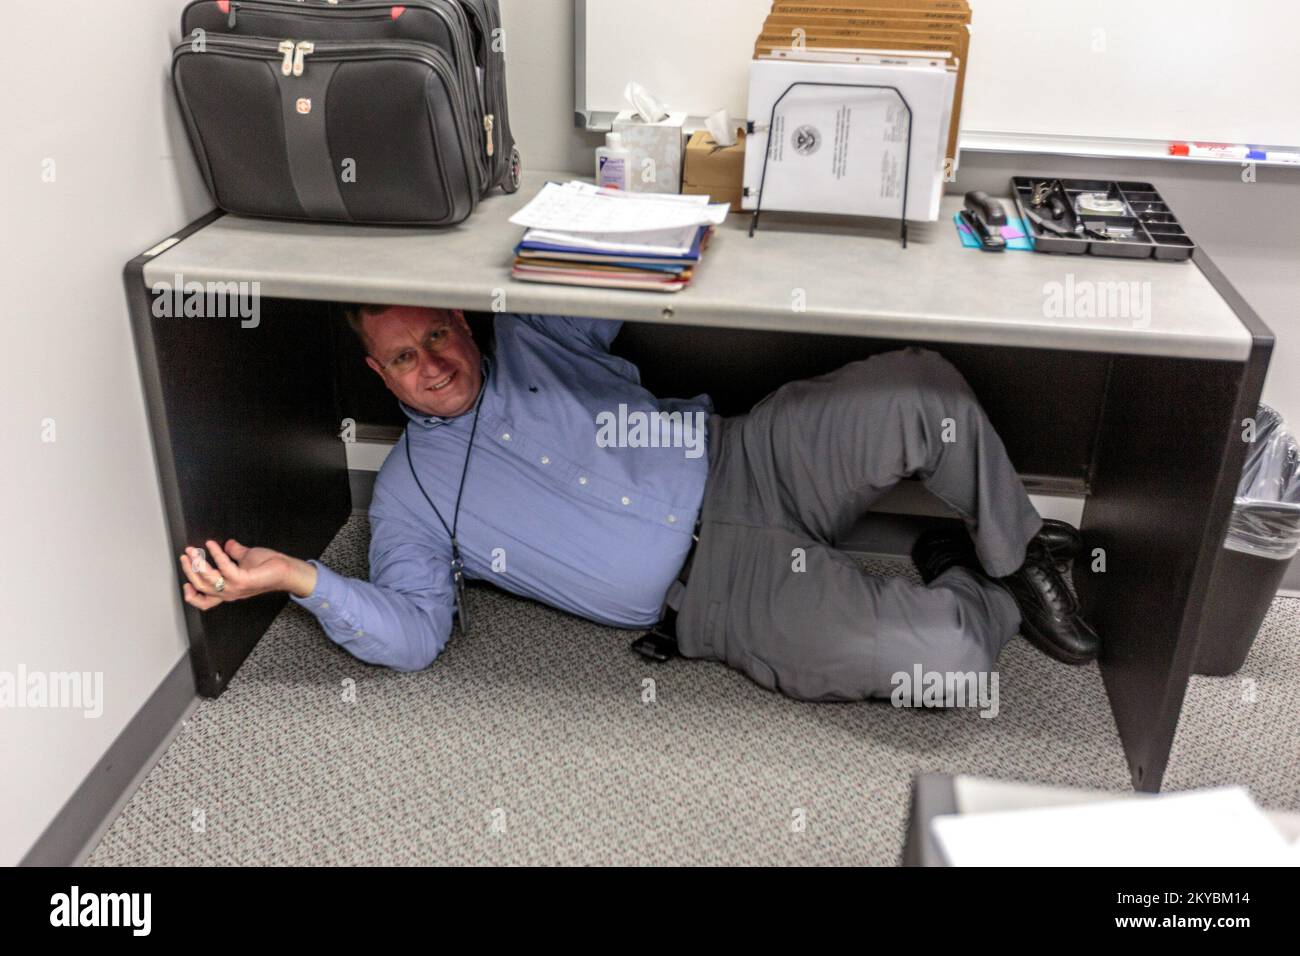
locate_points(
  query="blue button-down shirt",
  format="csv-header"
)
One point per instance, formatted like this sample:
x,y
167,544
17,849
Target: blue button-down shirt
x,y
551,511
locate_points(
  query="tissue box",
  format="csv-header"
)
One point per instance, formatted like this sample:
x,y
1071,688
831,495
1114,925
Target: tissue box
x,y
713,170
660,143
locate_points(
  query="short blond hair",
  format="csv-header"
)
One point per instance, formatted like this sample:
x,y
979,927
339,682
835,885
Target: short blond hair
x,y
355,314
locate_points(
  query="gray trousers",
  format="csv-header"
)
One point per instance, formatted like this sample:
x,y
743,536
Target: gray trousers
x,y
771,595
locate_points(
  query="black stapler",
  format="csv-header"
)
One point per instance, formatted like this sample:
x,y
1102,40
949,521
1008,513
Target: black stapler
x,y
984,217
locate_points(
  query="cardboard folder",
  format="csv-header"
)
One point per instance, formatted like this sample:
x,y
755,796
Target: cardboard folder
x,y
927,9
904,25
956,43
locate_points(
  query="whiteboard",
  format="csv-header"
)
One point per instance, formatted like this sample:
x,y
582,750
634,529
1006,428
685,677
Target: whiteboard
x,y
1104,76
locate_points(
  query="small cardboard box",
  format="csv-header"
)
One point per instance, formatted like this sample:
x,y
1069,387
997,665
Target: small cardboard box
x,y
656,151
713,170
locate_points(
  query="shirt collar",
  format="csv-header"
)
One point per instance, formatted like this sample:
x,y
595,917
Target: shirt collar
x,y
433,421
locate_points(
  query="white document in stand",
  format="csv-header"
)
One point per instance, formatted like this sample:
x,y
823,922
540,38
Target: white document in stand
x,y
844,150
1219,827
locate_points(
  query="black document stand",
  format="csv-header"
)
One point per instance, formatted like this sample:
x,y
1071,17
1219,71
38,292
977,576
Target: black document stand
x,y
771,121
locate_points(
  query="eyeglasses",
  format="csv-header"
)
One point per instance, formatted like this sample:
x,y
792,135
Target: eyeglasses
x,y
435,340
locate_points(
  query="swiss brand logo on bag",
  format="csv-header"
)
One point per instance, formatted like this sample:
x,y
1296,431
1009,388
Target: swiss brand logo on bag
x,y
304,106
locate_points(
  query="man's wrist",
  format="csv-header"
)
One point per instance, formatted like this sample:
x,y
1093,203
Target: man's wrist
x,y
301,578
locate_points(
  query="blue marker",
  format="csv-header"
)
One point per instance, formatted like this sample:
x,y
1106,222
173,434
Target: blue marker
x,y
1273,156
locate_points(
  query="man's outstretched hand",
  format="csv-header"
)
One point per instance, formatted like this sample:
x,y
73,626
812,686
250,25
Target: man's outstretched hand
x,y
247,572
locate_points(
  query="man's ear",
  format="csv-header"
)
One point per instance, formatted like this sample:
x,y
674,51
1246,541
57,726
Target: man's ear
x,y
379,369
458,316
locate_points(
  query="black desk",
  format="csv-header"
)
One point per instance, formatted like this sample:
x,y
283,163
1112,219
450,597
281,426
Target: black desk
x,y
1139,412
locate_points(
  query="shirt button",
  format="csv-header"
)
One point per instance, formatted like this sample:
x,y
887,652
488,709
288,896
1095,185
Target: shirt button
x,y
627,500
360,634
582,480
324,604
505,437
545,460
672,519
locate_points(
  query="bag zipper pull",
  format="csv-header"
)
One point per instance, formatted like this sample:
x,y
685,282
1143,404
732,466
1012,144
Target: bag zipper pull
x,y
302,51
488,122
286,48
230,20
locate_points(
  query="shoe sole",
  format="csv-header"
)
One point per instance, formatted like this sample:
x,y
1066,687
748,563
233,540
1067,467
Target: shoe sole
x,y
1054,651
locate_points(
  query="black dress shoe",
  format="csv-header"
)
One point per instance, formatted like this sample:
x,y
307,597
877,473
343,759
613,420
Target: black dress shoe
x,y
939,549
943,547
1063,541
1049,612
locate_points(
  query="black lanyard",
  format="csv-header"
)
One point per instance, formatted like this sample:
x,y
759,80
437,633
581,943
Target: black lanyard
x,y
457,565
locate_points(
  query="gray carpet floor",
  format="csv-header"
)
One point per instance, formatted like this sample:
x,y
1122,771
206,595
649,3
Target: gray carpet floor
x,y
538,740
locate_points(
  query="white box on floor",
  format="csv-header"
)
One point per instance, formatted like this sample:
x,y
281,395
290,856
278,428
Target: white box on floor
x,y
656,150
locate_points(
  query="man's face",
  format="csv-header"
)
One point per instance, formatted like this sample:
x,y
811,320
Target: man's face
x,y
426,357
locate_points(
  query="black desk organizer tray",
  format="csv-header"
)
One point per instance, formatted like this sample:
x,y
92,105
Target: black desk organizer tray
x,y
1156,231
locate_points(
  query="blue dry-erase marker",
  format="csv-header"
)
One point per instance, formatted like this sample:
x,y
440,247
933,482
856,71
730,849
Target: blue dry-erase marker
x,y
1273,156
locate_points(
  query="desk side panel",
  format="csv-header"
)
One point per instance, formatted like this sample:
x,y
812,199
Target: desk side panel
x,y
1168,461
245,427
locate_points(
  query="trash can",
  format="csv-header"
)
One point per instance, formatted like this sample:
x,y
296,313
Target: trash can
x,y
1263,536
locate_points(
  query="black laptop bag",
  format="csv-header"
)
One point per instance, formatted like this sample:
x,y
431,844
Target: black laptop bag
x,y
357,111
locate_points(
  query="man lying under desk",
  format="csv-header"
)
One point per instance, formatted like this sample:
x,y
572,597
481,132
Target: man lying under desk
x,y
510,470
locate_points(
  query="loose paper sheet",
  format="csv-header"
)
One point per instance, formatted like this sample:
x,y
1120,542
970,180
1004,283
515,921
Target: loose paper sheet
x,y
564,208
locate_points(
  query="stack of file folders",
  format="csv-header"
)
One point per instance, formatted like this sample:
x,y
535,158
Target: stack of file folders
x,y
861,116
578,234
848,31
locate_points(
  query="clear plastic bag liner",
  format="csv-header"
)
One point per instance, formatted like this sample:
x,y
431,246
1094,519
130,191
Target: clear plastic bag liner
x,y
1266,511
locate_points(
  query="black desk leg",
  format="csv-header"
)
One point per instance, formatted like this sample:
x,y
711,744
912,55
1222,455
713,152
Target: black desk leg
x,y
1168,460
245,430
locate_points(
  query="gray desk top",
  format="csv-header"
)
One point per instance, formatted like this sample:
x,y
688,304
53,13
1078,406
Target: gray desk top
x,y
849,281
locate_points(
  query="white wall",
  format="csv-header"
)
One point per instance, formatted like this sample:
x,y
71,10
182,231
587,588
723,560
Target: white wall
x,y
539,77
86,580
